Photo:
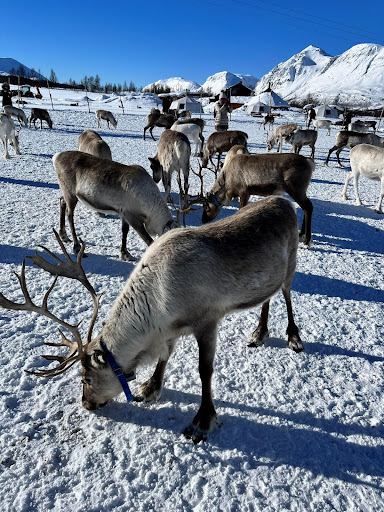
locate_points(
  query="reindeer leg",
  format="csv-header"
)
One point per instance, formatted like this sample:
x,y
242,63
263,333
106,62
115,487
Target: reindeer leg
x,y
62,231
125,255
150,131
261,333
70,208
206,418
294,341
306,226
151,389
338,156
5,144
244,198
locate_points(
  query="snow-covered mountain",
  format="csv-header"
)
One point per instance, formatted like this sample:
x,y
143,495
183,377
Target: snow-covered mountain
x,y
353,78
11,66
289,77
224,79
174,84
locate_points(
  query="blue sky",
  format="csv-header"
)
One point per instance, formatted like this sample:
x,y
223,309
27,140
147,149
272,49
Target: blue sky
x,y
147,41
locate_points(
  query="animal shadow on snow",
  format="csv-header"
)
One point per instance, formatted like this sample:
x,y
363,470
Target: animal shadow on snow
x,y
303,440
29,183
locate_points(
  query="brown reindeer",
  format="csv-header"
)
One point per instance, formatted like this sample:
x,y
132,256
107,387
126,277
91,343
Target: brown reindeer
x,y
155,118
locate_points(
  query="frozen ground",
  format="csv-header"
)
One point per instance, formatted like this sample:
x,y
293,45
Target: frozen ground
x,y
300,432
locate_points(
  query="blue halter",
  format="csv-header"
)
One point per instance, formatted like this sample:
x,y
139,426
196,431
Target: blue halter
x,y
123,378
215,201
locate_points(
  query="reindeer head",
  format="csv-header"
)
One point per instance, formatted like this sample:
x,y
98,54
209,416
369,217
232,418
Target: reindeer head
x,y
157,170
99,382
214,200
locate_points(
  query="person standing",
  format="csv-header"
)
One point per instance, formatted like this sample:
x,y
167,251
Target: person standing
x,y
6,94
221,110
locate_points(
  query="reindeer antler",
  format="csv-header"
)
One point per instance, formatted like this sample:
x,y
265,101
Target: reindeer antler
x,y
72,270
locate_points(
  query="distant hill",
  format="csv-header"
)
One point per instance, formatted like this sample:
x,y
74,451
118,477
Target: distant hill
x,y
172,84
10,66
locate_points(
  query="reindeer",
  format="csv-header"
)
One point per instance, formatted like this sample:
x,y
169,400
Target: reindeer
x,y
347,139
322,123
8,133
18,113
264,174
220,142
300,138
267,119
255,250
110,187
193,132
43,115
107,116
368,161
193,120
155,118
173,154
91,142
281,132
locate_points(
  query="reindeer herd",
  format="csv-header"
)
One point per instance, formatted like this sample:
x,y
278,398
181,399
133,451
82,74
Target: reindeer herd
x,y
178,287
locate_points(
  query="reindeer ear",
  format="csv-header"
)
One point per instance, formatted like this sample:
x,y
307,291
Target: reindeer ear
x,y
99,359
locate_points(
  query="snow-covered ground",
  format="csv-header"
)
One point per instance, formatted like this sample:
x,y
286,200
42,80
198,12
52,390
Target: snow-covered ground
x,y
300,432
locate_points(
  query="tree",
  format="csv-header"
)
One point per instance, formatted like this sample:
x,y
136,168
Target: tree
x,y
21,70
132,87
97,83
52,76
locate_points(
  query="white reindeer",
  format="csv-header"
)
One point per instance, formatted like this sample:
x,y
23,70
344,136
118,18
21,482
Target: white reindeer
x,y
193,132
322,123
187,281
18,113
368,161
107,116
8,133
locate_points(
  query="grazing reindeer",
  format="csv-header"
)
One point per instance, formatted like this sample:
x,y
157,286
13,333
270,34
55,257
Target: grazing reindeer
x,y
281,132
155,118
43,115
300,138
264,174
91,142
368,161
173,155
110,187
8,133
107,116
220,142
154,309
18,113
346,139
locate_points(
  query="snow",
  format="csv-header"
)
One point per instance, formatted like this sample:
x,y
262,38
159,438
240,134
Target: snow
x,y
300,432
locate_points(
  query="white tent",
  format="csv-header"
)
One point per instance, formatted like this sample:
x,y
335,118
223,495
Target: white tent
x,y
186,103
269,98
257,108
326,112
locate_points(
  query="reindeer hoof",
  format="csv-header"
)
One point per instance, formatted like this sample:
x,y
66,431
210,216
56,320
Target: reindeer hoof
x,y
195,433
295,343
126,256
258,337
149,391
